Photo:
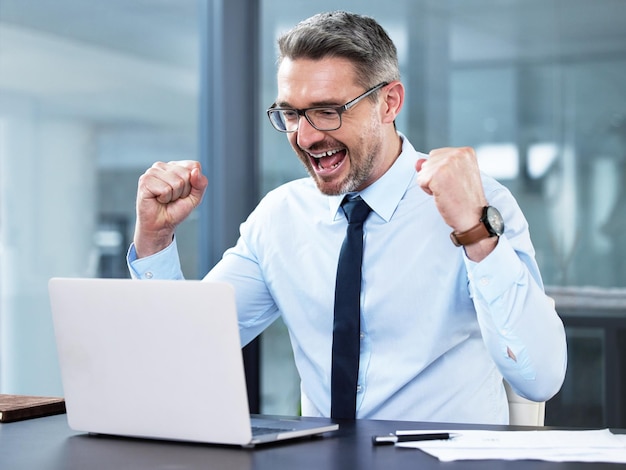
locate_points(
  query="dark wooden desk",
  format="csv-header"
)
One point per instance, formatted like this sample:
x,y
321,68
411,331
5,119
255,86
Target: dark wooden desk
x,y
49,444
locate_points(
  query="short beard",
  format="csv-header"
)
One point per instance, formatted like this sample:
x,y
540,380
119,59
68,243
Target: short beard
x,y
356,178
360,172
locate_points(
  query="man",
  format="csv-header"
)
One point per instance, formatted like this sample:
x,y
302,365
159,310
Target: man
x,y
440,322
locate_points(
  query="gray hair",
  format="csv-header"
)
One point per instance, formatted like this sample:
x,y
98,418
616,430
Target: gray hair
x,y
359,39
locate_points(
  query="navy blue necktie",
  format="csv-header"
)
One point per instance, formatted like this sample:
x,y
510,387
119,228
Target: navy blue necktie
x,y
347,323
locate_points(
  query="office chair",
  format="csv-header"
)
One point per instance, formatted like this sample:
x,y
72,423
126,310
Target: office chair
x,y
523,412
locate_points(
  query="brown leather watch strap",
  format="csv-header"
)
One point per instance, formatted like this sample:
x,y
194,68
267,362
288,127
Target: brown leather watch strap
x,y
475,234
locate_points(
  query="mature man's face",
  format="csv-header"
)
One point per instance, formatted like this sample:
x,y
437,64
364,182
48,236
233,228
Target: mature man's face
x,y
343,160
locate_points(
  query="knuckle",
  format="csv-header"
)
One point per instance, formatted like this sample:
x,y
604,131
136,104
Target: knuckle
x,y
468,152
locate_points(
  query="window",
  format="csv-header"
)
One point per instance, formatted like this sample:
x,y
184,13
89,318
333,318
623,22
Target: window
x,y
91,94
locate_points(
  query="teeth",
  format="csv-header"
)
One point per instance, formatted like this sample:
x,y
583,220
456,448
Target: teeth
x,y
332,167
328,153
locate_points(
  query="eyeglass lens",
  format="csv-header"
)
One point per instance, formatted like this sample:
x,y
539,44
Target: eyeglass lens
x,y
323,119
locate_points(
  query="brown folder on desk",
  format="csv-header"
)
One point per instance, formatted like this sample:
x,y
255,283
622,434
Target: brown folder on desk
x,y
19,407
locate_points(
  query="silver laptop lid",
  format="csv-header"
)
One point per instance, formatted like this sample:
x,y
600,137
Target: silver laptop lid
x,y
157,359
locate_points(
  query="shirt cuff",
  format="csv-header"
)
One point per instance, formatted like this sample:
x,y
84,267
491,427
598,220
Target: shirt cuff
x,y
162,265
495,274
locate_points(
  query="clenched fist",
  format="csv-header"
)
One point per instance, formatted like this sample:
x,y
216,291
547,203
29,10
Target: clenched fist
x,y
452,177
167,193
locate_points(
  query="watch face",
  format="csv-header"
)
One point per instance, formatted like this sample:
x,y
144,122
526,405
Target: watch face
x,y
494,221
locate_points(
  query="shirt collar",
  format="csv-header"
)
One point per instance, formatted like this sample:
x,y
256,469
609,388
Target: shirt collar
x,y
384,195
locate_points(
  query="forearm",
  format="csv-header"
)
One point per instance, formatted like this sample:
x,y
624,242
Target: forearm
x,y
519,324
256,308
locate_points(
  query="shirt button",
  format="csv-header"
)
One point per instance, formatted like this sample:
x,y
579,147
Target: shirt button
x,y
362,335
484,281
149,275
359,388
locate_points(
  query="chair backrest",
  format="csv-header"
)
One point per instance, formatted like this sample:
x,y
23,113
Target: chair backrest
x,y
523,412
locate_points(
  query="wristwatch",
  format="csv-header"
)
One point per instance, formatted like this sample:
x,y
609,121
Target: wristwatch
x,y
490,225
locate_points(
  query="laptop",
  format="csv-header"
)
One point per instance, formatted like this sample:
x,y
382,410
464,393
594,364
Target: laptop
x,y
159,359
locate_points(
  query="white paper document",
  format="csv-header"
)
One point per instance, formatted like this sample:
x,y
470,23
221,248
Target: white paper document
x,y
555,446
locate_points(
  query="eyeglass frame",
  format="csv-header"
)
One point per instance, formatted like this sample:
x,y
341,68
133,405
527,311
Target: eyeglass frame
x,y
338,109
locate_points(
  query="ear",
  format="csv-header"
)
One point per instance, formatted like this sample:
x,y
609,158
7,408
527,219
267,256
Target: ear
x,y
393,99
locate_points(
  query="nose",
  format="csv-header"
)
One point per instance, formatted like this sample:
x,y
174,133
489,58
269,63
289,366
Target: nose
x,y
307,135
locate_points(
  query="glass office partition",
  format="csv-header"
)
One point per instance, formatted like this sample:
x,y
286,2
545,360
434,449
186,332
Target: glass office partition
x,y
537,88
91,94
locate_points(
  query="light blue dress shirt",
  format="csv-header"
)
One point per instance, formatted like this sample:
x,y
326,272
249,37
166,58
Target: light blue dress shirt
x,y
436,326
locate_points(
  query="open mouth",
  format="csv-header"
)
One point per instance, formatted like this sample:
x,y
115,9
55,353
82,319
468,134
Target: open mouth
x,y
328,161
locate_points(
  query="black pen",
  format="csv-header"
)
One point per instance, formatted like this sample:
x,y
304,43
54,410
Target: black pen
x,y
410,437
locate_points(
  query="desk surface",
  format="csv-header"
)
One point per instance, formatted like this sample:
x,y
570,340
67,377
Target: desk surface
x,y
48,443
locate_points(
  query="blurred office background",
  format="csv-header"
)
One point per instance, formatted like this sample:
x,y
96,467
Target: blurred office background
x,y
93,92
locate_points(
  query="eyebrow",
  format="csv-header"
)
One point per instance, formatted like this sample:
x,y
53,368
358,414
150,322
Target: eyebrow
x,y
316,104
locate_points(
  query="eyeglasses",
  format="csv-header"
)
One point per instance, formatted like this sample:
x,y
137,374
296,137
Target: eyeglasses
x,y
322,118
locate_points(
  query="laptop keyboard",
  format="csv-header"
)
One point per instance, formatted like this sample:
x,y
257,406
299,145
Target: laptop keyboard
x,y
261,430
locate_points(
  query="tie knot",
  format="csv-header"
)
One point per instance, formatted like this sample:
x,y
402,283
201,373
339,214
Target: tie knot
x,y
356,210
